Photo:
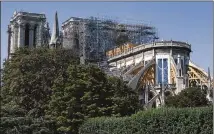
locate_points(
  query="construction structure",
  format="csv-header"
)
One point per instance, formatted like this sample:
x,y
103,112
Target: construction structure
x,y
158,68
92,37
89,38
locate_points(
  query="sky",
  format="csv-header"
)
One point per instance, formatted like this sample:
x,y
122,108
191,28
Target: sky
x,y
190,22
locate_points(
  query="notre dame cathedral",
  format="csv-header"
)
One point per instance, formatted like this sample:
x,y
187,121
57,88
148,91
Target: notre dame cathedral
x,y
32,30
89,38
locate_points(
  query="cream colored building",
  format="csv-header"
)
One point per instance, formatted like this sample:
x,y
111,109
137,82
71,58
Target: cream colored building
x,y
158,68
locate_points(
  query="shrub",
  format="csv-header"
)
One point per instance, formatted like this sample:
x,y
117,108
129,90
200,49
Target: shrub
x,y
191,97
14,121
155,121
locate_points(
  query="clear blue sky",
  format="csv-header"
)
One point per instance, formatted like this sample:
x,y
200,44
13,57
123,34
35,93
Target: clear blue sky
x,y
182,21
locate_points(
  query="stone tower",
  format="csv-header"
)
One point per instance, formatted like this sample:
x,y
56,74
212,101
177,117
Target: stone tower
x,y
26,30
55,37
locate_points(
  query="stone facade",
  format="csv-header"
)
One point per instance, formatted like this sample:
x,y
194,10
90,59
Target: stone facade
x,y
172,51
27,30
157,68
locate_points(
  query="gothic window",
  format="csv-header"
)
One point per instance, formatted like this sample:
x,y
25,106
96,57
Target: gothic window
x,y
35,35
182,66
27,26
159,71
180,72
182,63
162,71
76,41
165,71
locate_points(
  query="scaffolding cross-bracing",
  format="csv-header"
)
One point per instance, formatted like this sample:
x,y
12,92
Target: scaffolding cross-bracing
x,y
93,36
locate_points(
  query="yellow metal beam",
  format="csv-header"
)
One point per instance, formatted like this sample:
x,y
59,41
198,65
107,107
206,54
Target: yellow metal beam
x,y
197,75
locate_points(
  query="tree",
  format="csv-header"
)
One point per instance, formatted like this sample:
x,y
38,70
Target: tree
x,y
191,97
43,88
29,75
87,92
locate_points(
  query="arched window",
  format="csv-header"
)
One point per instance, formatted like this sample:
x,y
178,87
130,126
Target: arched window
x,y
35,35
76,41
27,26
162,71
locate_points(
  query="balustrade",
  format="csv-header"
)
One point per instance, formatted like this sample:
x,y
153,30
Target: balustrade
x,y
153,45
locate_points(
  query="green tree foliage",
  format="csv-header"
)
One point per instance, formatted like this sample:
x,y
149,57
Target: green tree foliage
x,y
87,92
155,121
15,121
124,100
29,75
191,97
43,88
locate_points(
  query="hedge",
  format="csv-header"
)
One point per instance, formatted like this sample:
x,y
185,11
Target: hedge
x,y
155,121
26,125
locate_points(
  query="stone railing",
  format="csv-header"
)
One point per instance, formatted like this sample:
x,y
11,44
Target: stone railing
x,y
34,15
152,45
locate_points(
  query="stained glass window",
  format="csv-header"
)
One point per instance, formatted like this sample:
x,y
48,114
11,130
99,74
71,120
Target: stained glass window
x,y
165,71
159,71
162,71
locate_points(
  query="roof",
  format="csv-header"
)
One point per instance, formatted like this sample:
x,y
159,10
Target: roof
x,y
21,13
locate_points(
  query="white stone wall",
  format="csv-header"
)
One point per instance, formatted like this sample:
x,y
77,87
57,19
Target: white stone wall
x,y
129,61
39,35
21,35
17,38
15,43
148,57
138,58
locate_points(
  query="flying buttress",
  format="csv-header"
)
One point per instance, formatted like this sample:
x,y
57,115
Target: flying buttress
x,y
197,75
134,82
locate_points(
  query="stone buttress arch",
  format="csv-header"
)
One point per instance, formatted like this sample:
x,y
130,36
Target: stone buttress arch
x,y
135,81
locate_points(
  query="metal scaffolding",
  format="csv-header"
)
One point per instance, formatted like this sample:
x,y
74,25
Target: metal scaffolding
x,y
94,36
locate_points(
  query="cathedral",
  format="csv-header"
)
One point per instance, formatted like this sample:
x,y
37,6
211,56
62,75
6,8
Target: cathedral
x,y
88,37
151,68
32,30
